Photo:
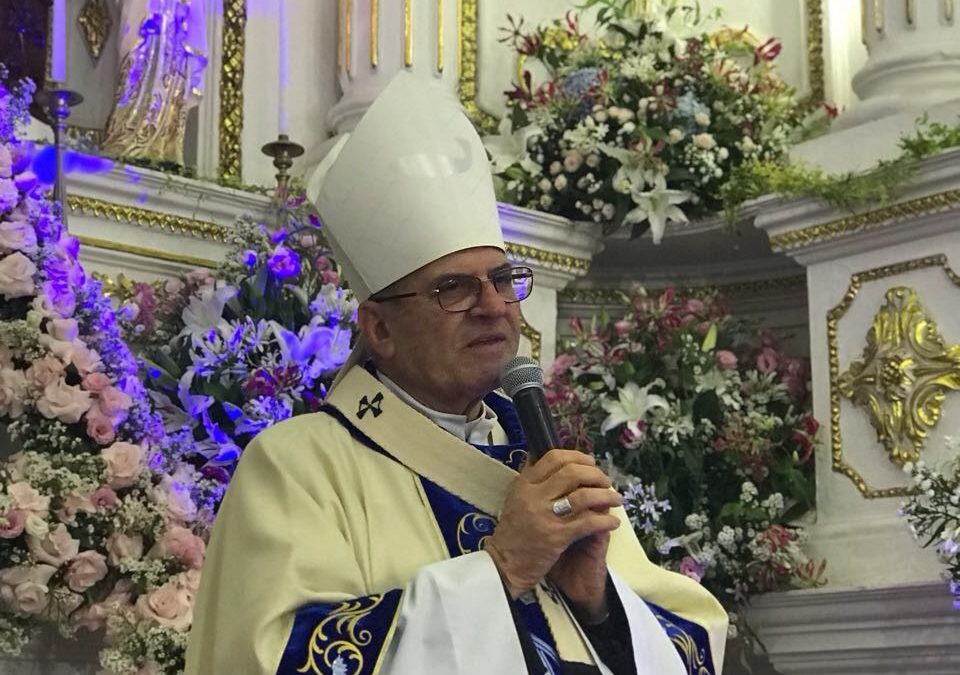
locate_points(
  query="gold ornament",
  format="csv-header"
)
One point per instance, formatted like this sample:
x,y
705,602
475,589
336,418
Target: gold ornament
x,y
903,376
95,26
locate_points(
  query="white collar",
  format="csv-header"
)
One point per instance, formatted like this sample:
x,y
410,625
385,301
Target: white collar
x,y
483,430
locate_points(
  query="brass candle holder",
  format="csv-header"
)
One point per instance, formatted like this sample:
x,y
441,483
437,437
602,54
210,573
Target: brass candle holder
x,y
56,103
283,151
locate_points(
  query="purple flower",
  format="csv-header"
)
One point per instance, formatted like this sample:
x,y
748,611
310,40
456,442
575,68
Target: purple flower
x,y
284,263
691,568
249,258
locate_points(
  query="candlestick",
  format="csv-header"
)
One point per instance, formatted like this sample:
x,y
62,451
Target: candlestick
x,y
58,48
283,121
283,151
56,103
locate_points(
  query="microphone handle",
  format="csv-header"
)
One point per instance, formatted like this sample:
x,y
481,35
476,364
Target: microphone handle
x,y
536,421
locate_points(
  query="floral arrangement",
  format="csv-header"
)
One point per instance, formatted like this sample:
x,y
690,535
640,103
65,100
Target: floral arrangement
x,y
641,123
933,511
255,342
101,524
703,426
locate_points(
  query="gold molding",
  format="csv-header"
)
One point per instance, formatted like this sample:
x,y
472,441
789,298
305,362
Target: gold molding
x,y
815,58
440,35
535,337
231,90
144,252
911,10
467,61
864,222
948,10
599,297
839,464
348,37
135,215
407,33
374,33
551,259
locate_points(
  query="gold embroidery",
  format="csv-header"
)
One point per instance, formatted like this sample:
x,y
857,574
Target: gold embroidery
x,y
345,651
469,527
694,659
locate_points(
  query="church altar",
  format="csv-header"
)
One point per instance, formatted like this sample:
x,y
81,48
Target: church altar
x,y
820,279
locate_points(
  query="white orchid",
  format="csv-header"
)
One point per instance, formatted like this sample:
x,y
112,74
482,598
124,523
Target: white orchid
x,y
659,206
633,405
510,147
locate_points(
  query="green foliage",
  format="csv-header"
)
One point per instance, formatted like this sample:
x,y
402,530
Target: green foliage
x,y
847,191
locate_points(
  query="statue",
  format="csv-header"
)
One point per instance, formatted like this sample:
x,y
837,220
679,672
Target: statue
x,y
163,55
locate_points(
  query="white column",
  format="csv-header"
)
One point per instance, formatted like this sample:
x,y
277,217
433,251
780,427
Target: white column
x,y
914,57
378,38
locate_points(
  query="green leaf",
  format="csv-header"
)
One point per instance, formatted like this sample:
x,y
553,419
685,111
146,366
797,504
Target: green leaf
x,y
710,339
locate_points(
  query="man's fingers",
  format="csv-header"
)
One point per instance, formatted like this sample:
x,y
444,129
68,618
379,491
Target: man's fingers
x,y
591,522
573,477
594,499
553,461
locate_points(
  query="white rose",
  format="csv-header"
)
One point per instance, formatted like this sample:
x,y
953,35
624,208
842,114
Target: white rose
x,y
86,570
704,141
36,526
13,391
65,402
27,498
121,546
124,462
64,329
16,276
702,118
25,588
17,235
676,135
56,548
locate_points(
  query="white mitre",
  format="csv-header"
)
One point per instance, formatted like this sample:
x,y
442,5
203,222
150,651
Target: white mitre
x,y
410,185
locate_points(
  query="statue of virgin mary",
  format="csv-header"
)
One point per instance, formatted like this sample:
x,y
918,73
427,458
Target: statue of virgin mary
x,y
162,58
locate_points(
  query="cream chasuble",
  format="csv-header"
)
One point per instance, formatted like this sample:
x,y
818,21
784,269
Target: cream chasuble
x,y
349,543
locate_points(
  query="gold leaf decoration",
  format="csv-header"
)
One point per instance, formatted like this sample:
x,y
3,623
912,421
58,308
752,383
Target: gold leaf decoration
x,y
95,26
903,376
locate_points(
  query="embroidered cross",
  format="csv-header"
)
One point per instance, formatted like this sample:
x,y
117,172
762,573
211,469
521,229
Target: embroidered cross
x,y
370,405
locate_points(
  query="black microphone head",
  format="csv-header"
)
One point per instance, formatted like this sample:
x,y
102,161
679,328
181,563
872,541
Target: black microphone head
x,y
520,373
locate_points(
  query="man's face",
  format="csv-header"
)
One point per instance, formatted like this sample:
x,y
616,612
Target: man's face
x,y
441,356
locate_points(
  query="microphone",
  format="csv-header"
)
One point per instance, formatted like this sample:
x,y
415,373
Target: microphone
x,y
522,379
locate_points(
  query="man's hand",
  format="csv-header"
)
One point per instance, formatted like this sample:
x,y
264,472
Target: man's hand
x,y
530,537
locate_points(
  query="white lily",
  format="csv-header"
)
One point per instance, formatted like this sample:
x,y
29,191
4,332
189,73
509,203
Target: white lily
x,y
206,312
633,405
659,206
510,147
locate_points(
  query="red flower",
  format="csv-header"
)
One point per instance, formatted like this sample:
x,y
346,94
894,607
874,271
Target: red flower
x,y
768,51
831,111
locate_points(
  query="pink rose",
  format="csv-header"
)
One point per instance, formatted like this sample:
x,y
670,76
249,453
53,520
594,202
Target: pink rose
x,y
86,570
44,372
329,277
13,392
11,525
622,328
16,235
16,275
56,548
85,359
200,277
169,606
726,359
26,498
173,287
95,382
767,360
74,503
62,349
25,588
94,617
124,462
65,402
63,329
694,306
100,429
114,403
182,544
104,499
122,547
572,161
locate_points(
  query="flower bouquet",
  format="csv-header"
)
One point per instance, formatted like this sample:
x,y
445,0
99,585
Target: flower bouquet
x,y
641,121
704,428
101,524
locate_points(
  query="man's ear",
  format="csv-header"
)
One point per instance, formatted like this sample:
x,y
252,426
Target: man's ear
x,y
375,329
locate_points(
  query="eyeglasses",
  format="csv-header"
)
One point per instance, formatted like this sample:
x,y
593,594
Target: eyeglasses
x,y
461,292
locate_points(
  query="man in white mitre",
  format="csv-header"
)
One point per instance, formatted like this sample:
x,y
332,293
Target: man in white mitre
x,y
399,530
